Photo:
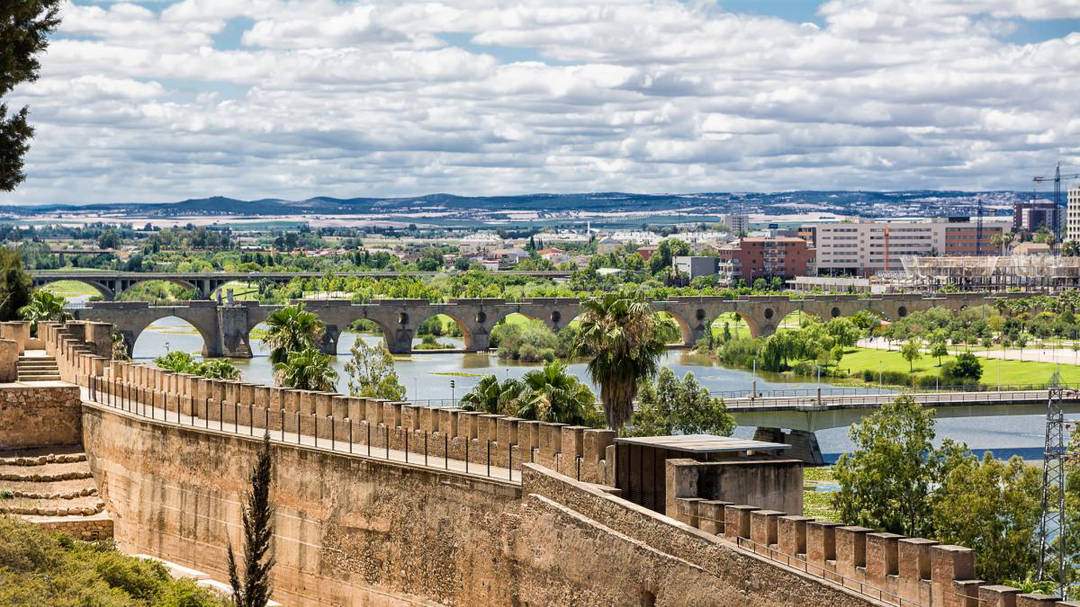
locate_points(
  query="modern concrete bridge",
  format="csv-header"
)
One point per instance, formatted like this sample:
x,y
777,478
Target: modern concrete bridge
x,y
225,328
810,412
205,284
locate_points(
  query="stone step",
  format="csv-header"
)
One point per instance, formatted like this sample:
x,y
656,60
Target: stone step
x,y
84,527
46,472
41,460
79,506
37,365
75,486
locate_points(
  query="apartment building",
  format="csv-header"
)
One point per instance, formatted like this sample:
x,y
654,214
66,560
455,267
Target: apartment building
x,y
1072,225
780,256
865,247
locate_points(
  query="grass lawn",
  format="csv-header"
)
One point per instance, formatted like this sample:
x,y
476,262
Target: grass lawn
x,y
69,289
818,504
994,371
242,290
736,325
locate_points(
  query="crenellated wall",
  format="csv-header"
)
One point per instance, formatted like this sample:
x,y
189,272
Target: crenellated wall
x,y
353,529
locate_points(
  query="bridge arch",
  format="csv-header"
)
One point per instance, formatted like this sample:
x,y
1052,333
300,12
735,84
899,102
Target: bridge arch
x,y
432,324
176,333
125,286
102,289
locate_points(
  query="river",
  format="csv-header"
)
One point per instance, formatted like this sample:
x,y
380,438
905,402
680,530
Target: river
x,y
428,376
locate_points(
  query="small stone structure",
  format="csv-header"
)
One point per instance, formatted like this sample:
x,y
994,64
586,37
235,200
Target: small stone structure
x,y
39,416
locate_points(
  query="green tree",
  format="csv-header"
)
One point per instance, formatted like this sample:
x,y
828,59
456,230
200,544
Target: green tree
x,y
993,506
24,29
966,367
618,333
491,396
939,349
44,306
551,394
911,351
887,479
251,587
306,370
15,287
292,329
182,362
844,331
672,406
371,372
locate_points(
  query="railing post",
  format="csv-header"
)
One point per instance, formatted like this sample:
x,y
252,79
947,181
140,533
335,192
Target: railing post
x,y
425,447
333,443
386,439
406,446
489,457
351,422
206,413
369,439
446,450
283,425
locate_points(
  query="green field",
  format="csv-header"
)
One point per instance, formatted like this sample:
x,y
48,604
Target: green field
x,y
242,291
818,504
69,289
1006,372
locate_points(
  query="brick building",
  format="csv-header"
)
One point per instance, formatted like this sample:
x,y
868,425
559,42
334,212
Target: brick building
x,y
782,256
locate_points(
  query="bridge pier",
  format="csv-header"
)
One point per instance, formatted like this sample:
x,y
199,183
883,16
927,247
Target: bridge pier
x,y
232,334
329,342
400,341
804,445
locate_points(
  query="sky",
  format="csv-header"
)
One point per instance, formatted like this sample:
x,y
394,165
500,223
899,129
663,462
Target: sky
x,y
172,99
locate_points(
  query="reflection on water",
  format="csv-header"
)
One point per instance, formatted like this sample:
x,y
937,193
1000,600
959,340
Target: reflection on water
x,y
428,376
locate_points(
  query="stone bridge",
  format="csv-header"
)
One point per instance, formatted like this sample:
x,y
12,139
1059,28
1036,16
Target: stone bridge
x,y
226,328
206,284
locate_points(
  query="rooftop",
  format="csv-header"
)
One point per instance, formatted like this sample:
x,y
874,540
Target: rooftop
x,y
702,443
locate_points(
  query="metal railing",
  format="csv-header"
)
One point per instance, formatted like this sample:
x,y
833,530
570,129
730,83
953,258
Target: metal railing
x,y
323,433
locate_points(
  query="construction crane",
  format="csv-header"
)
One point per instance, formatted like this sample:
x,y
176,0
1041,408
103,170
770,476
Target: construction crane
x,y
1056,178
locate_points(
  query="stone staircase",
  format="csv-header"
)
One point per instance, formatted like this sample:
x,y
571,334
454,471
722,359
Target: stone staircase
x,y
53,488
33,366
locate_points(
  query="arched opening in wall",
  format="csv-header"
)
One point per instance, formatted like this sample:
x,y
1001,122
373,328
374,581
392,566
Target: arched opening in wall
x,y
797,320
166,335
526,339
158,291
242,290
256,340
76,293
673,331
439,332
729,325
361,329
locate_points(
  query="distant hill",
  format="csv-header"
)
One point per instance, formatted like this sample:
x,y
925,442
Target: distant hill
x,y
871,204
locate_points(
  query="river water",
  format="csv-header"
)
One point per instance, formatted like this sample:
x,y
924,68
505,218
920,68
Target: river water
x,y
428,376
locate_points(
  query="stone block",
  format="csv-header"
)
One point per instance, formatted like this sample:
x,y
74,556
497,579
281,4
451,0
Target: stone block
x,y
711,516
737,521
998,596
1035,600
763,527
949,564
821,543
791,534
881,558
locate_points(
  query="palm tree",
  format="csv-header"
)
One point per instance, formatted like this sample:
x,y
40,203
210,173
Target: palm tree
x,y
292,329
44,306
619,333
551,394
307,369
491,396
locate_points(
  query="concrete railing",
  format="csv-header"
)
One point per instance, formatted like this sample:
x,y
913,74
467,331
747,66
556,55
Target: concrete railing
x,y
886,567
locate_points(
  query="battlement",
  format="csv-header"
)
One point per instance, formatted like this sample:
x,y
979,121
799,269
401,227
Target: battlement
x,y
715,520
897,570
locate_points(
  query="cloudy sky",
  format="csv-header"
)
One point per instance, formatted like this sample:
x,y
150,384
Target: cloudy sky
x,y
165,100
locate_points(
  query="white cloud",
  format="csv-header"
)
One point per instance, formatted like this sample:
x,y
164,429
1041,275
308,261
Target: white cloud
x,y
319,97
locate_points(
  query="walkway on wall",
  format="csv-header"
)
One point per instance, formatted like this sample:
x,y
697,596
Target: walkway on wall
x,y
128,405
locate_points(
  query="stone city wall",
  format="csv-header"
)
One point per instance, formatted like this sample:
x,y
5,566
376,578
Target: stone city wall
x,y
32,416
898,569
353,530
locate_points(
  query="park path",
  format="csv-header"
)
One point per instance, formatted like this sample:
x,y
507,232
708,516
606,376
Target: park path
x,y
1064,355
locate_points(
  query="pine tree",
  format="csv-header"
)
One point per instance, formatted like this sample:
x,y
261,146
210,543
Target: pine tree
x,y
254,589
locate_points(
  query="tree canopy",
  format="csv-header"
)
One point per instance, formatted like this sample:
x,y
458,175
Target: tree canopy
x,y
24,29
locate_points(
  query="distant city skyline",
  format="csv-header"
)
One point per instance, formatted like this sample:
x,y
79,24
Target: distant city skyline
x,y
166,100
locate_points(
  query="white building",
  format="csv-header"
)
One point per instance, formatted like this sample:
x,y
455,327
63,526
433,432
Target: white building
x,y
736,222
865,247
1072,225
